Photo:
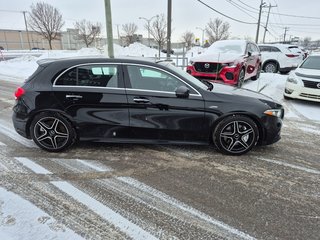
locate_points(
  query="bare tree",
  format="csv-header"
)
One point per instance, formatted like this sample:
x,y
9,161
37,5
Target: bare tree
x,y
306,42
88,31
129,30
158,30
188,37
217,30
45,20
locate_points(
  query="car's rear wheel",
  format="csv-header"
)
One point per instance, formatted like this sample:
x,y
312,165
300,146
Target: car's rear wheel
x,y
270,67
241,78
52,132
236,135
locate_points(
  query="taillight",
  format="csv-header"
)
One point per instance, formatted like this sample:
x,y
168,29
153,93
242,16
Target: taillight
x,y
291,55
19,92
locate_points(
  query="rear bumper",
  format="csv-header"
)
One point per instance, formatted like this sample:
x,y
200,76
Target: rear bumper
x,y
20,126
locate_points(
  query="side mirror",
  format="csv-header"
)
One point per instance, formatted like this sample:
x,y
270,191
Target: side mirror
x,y
182,92
249,54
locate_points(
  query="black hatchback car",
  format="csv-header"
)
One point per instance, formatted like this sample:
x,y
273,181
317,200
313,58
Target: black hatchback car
x,y
134,101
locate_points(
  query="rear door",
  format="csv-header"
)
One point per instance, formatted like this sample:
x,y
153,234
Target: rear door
x,y
93,95
156,113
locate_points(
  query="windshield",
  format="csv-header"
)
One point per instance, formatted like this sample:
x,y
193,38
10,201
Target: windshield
x,y
312,62
186,75
234,47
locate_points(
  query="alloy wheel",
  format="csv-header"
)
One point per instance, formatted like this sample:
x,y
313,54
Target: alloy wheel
x,y
237,137
51,133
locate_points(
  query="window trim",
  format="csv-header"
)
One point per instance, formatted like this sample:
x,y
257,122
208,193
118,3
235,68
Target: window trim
x,y
125,88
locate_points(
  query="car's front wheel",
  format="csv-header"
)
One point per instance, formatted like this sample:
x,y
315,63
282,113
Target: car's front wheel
x,y
236,135
52,132
241,78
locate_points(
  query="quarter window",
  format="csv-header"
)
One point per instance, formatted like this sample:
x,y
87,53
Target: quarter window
x,y
145,78
90,76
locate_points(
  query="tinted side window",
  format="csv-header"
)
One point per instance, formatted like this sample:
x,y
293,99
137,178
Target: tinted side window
x,y
264,49
90,76
275,49
145,78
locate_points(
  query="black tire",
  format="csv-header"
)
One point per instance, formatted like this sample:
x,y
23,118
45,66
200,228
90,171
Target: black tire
x,y
258,74
236,135
284,72
241,78
52,132
286,97
270,67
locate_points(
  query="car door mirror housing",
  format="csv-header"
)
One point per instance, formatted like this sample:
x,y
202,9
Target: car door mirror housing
x,y
182,92
249,54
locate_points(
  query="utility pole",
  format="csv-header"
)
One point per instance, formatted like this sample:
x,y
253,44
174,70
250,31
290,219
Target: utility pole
x,y
265,28
169,29
25,23
107,5
285,34
259,19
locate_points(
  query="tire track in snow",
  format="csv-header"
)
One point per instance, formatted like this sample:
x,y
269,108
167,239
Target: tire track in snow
x,y
155,201
121,223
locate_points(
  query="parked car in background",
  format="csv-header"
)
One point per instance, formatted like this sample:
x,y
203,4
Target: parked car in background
x,y
299,50
134,101
304,82
278,58
228,61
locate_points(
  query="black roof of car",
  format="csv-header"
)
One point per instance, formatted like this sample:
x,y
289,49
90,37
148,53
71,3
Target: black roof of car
x,y
84,60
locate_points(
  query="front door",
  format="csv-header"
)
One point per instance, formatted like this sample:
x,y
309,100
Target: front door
x,y
156,113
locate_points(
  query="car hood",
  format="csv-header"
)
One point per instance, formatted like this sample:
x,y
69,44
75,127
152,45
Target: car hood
x,y
216,57
310,72
245,93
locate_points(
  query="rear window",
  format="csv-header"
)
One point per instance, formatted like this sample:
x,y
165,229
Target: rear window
x,y
312,62
90,76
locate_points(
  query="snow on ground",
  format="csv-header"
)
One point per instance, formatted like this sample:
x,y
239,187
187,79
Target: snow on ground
x,y
19,219
18,69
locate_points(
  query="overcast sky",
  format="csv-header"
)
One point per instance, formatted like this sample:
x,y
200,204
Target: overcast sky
x,y
186,15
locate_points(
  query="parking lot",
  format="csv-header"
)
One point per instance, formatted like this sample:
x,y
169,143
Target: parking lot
x,y
107,191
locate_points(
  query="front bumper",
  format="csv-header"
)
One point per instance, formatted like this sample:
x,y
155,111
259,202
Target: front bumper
x,y
227,75
300,92
272,130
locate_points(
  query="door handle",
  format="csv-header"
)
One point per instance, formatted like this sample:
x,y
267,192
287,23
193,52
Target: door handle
x,y
141,100
74,96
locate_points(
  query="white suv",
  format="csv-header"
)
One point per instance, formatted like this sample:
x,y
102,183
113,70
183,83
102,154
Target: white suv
x,y
278,57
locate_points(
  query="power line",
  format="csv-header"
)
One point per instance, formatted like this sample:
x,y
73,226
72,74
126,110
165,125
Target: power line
x,y
224,14
240,8
249,6
296,16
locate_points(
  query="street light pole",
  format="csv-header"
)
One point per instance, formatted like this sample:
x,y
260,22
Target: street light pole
x,y
148,24
202,39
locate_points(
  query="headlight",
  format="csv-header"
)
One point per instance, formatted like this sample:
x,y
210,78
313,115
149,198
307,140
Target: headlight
x,y
292,79
274,112
231,64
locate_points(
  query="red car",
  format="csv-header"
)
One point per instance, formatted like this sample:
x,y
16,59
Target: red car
x,y
229,61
